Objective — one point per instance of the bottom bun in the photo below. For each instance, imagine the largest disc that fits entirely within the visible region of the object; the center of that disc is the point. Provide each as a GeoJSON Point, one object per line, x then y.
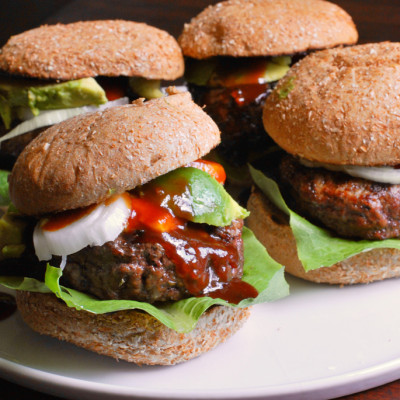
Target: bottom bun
{"type": "Point", "coordinates": [271, 227]}
{"type": "Point", "coordinates": [131, 335]}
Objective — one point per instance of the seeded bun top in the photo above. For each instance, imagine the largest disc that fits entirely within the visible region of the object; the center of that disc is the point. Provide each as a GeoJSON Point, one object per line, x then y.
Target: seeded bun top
{"type": "Point", "coordinates": [86, 159]}
{"type": "Point", "coordinates": [265, 28]}
{"type": "Point", "coordinates": [340, 106]}
{"type": "Point", "coordinates": [93, 48]}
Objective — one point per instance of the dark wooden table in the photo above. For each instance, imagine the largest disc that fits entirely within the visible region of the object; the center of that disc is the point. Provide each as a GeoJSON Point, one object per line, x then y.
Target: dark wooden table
{"type": "Point", "coordinates": [375, 20]}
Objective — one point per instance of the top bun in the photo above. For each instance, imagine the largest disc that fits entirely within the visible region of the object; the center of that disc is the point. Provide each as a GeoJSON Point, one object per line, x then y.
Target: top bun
{"type": "Point", "coordinates": [86, 159]}
{"type": "Point", "coordinates": [340, 106]}
{"type": "Point", "coordinates": [93, 48]}
{"type": "Point", "coordinates": [245, 28]}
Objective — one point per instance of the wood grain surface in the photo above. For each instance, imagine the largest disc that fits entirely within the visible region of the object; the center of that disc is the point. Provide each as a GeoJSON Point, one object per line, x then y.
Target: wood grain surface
{"type": "Point", "coordinates": [375, 20]}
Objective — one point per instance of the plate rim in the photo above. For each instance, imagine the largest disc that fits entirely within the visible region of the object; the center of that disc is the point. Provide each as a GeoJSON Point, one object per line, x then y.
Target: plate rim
{"type": "Point", "coordinates": [312, 389]}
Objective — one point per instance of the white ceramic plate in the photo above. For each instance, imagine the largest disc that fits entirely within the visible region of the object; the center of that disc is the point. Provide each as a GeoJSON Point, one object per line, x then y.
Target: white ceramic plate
{"type": "Point", "coordinates": [320, 342]}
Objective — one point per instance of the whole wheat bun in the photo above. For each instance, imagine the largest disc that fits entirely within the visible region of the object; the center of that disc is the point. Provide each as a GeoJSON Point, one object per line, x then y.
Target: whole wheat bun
{"type": "Point", "coordinates": [244, 28]}
{"type": "Point", "coordinates": [271, 227]}
{"type": "Point", "coordinates": [129, 335]}
{"type": "Point", "coordinates": [90, 157]}
{"type": "Point", "coordinates": [92, 48]}
{"type": "Point", "coordinates": [340, 106]}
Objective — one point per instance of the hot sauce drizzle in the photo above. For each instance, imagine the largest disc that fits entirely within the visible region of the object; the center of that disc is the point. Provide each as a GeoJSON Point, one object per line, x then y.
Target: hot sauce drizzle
{"type": "Point", "coordinates": [244, 79]}
{"type": "Point", "coordinates": [61, 220]}
{"type": "Point", "coordinates": [208, 264]}
{"type": "Point", "coordinates": [246, 94]}
{"type": "Point", "coordinates": [114, 88]}
{"type": "Point", "coordinates": [242, 72]}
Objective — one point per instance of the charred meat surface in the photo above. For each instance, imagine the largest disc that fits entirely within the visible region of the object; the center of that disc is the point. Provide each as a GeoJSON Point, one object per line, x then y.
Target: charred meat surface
{"type": "Point", "coordinates": [128, 269]}
{"type": "Point", "coordinates": [352, 207]}
{"type": "Point", "coordinates": [242, 133]}
{"type": "Point", "coordinates": [237, 110]}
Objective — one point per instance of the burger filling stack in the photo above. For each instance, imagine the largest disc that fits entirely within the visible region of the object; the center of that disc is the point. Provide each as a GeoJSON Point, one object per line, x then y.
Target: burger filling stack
{"type": "Point", "coordinates": [129, 245]}
{"type": "Point", "coordinates": [237, 50]}
{"type": "Point", "coordinates": [333, 200]}
{"type": "Point", "coordinates": [54, 72]}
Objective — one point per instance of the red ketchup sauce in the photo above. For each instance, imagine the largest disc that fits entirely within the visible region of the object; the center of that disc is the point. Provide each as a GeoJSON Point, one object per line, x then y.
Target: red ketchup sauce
{"type": "Point", "coordinates": [246, 94]}
{"type": "Point", "coordinates": [114, 87]}
{"type": "Point", "coordinates": [247, 83]}
{"type": "Point", "coordinates": [205, 262]}
{"type": "Point", "coordinates": [61, 220]}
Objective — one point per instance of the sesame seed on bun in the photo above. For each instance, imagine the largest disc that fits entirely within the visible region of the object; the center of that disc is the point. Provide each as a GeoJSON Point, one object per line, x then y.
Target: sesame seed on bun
{"type": "Point", "coordinates": [336, 114]}
{"type": "Point", "coordinates": [245, 28]}
{"type": "Point", "coordinates": [340, 106]}
{"type": "Point", "coordinates": [93, 48]}
{"type": "Point", "coordinates": [61, 169]}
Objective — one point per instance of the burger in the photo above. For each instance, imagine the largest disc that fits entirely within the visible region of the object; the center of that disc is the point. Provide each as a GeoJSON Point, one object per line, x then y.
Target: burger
{"type": "Point", "coordinates": [54, 72]}
{"type": "Point", "coordinates": [329, 209]}
{"type": "Point", "coordinates": [131, 246]}
{"type": "Point", "coordinates": [237, 50]}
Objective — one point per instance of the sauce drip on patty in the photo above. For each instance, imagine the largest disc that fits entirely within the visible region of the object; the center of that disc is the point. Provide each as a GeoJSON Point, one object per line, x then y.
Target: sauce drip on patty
{"type": "Point", "coordinates": [208, 260]}
{"type": "Point", "coordinates": [207, 264]}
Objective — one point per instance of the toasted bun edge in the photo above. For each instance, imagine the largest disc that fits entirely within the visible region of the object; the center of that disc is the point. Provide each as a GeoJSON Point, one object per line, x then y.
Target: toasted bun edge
{"type": "Point", "coordinates": [340, 106]}
{"type": "Point", "coordinates": [88, 158]}
{"type": "Point", "coordinates": [93, 48]}
{"type": "Point", "coordinates": [244, 28]}
{"type": "Point", "coordinates": [271, 227]}
{"type": "Point", "coordinates": [131, 335]}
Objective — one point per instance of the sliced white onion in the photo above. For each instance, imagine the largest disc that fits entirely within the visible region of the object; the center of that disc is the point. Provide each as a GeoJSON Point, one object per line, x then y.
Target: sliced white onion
{"type": "Point", "coordinates": [377, 174]}
{"type": "Point", "coordinates": [51, 117]}
{"type": "Point", "coordinates": [103, 224]}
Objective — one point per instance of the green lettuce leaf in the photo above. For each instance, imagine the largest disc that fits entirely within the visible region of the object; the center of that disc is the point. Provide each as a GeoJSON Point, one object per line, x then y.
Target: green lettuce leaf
{"type": "Point", "coordinates": [316, 247]}
{"type": "Point", "coordinates": [260, 270]}
{"type": "Point", "coordinates": [23, 283]}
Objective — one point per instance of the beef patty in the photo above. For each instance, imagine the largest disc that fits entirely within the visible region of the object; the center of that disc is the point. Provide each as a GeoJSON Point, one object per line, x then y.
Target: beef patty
{"type": "Point", "coordinates": [238, 113]}
{"type": "Point", "coordinates": [129, 269]}
{"type": "Point", "coordinates": [352, 207]}
{"type": "Point", "coordinates": [243, 137]}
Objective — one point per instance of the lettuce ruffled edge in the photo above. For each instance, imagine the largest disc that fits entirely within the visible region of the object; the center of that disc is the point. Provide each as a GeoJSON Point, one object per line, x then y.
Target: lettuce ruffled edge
{"type": "Point", "coordinates": [316, 247]}
{"type": "Point", "coordinates": [259, 270]}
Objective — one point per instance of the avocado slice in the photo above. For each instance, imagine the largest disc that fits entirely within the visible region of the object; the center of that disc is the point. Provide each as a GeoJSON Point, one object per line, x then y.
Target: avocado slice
{"type": "Point", "coordinates": [20, 94]}
{"type": "Point", "coordinates": [198, 197]}
{"type": "Point", "coordinates": [147, 88]}
{"type": "Point", "coordinates": [199, 72]}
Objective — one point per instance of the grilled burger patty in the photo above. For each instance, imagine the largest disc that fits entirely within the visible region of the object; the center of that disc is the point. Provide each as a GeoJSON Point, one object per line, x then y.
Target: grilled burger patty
{"type": "Point", "coordinates": [128, 269]}
{"type": "Point", "coordinates": [352, 207]}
